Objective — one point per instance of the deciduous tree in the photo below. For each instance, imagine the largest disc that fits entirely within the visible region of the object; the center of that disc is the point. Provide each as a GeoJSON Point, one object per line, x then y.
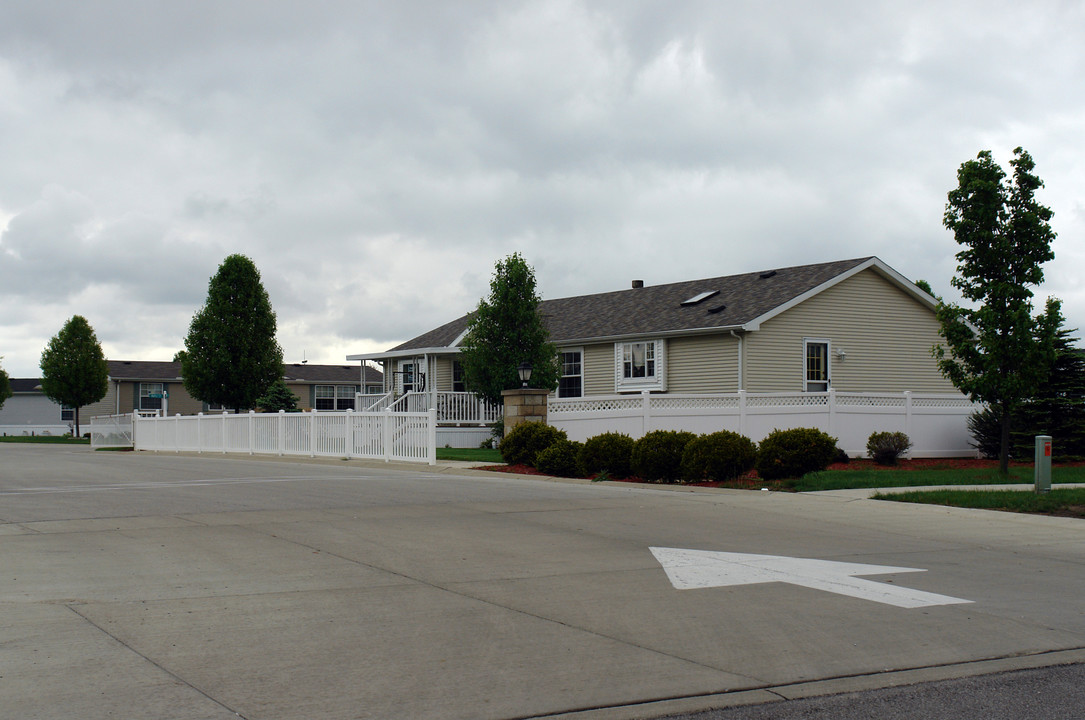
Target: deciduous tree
{"type": "Point", "coordinates": [997, 351]}
{"type": "Point", "coordinates": [73, 367]}
{"type": "Point", "coordinates": [231, 356]}
{"type": "Point", "coordinates": [5, 386]}
{"type": "Point", "coordinates": [506, 330]}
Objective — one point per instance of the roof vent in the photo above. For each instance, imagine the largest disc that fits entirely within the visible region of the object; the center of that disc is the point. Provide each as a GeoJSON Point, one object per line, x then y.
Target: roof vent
{"type": "Point", "coordinates": [700, 297]}
{"type": "Point", "coordinates": [638, 284]}
{"type": "Point", "coordinates": [767, 275]}
{"type": "Point", "coordinates": [717, 309]}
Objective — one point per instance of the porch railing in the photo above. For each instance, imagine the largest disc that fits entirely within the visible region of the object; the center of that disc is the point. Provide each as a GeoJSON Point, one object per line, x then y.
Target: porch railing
{"type": "Point", "coordinates": [453, 408]}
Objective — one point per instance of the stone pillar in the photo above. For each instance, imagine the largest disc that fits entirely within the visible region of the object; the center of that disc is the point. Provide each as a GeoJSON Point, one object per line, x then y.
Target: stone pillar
{"type": "Point", "coordinates": [524, 405]}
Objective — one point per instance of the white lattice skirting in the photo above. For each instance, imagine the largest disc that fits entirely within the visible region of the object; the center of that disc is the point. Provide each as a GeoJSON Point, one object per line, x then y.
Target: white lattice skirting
{"type": "Point", "coordinates": [936, 423]}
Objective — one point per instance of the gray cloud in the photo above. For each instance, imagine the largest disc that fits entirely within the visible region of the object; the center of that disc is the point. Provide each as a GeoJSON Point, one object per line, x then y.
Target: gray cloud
{"type": "Point", "coordinates": [376, 160]}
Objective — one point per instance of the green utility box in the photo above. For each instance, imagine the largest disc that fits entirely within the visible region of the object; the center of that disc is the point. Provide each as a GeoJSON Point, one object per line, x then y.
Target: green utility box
{"type": "Point", "coordinates": [1043, 463]}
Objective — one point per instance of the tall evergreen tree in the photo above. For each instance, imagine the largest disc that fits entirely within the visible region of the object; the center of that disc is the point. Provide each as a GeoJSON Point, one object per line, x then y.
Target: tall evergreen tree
{"type": "Point", "coordinates": [73, 367]}
{"type": "Point", "coordinates": [231, 356]}
{"type": "Point", "coordinates": [998, 352]}
{"type": "Point", "coordinates": [507, 330]}
{"type": "Point", "coordinates": [1058, 407]}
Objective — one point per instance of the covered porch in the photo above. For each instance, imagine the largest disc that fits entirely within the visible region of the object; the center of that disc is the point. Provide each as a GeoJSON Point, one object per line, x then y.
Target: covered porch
{"type": "Point", "coordinates": [430, 379]}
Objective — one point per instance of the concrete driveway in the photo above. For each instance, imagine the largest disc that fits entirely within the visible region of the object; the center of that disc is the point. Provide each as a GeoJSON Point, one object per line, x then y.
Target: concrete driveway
{"type": "Point", "coordinates": [185, 587]}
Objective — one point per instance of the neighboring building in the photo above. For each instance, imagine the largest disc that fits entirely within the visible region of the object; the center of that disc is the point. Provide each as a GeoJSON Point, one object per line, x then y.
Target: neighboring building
{"type": "Point", "coordinates": [29, 412]}
{"type": "Point", "coordinates": [158, 387]}
{"type": "Point", "coordinates": [852, 325]}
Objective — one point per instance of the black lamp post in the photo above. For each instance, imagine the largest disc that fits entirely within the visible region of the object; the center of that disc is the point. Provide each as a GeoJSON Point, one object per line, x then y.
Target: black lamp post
{"type": "Point", "coordinates": [524, 370]}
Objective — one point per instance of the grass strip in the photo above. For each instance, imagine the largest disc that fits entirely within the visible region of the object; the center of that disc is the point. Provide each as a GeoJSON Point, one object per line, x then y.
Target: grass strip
{"type": "Point", "coordinates": [1069, 502]}
{"type": "Point", "coordinates": [470, 454]}
{"type": "Point", "coordinates": [44, 439]}
{"type": "Point", "coordinates": [848, 479]}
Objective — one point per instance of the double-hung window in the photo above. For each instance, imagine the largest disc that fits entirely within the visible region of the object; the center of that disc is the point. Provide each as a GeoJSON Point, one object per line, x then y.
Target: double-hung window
{"type": "Point", "coordinates": [151, 395]}
{"type": "Point", "coordinates": [816, 359]}
{"type": "Point", "coordinates": [639, 365]}
{"type": "Point", "coordinates": [334, 397]}
{"type": "Point", "coordinates": [571, 382]}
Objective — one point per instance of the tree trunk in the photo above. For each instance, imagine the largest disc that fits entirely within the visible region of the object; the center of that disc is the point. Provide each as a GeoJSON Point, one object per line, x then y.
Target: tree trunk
{"type": "Point", "coordinates": [1004, 445]}
{"type": "Point", "coordinates": [77, 422]}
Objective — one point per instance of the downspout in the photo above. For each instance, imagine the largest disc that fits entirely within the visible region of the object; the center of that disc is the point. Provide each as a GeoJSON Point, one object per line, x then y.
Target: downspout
{"type": "Point", "coordinates": [741, 347]}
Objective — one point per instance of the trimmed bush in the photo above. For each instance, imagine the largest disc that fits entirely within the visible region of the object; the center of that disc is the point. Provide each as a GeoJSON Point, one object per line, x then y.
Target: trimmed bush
{"type": "Point", "coordinates": [722, 455]}
{"type": "Point", "coordinates": [793, 453]}
{"type": "Point", "coordinates": [527, 440]}
{"type": "Point", "coordinates": [610, 453]}
{"type": "Point", "coordinates": [657, 457]}
{"type": "Point", "coordinates": [560, 459]}
{"type": "Point", "coordinates": [886, 447]}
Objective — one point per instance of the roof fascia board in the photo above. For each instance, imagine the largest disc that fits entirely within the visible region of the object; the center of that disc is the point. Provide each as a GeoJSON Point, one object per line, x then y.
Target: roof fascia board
{"type": "Point", "coordinates": [415, 352]}
{"type": "Point", "coordinates": [872, 263]}
{"type": "Point", "coordinates": [634, 336]}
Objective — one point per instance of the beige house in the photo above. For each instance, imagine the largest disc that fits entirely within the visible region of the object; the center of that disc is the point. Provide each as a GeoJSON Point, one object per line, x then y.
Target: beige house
{"type": "Point", "coordinates": [852, 326]}
{"type": "Point", "coordinates": [157, 386]}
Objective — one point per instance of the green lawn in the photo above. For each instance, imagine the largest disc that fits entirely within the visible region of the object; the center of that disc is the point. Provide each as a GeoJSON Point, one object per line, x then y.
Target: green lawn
{"type": "Point", "coordinates": [48, 439]}
{"type": "Point", "coordinates": [846, 479]}
{"type": "Point", "coordinates": [471, 454]}
{"type": "Point", "coordinates": [1069, 502]}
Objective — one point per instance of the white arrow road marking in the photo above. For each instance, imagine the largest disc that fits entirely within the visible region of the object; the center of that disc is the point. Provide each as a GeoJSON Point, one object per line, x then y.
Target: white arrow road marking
{"type": "Point", "coordinates": [689, 569]}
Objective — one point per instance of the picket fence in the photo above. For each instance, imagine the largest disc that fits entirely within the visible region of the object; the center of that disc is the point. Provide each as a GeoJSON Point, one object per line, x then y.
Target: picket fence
{"type": "Point", "coordinates": [935, 423]}
{"type": "Point", "coordinates": [404, 436]}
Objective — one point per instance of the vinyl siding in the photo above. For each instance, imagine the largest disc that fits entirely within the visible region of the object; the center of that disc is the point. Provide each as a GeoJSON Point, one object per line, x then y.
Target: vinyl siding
{"type": "Point", "coordinates": [599, 369]}
{"type": "Point", "coordinates": [703, 364]}
{"type": "Point", "coordinates": [886, 333]}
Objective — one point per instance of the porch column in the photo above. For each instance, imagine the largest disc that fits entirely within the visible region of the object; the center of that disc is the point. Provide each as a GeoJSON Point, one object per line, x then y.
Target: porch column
{"type": "Point", "coordinates": [524, 405]}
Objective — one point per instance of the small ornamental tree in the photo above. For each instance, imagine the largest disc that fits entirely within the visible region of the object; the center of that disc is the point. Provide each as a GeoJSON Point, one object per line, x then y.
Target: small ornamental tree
{"type": "Point", "coordinates": [73, 368]}
{"type": "Point", "coordinates": [231, 356]}
{"type": "Point", "coordinates": [278, 397]}
{"type": "Point", "coordinates": [5, 387]}
{"type": "Point", "coordinates": [505, 331]}
{"type": "Point", "coordinates": [998, 352]}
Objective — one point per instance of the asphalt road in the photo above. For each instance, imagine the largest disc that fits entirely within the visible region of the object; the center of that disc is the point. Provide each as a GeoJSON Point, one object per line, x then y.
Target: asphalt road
{"type": "Point", "coordinates": [171, 586]}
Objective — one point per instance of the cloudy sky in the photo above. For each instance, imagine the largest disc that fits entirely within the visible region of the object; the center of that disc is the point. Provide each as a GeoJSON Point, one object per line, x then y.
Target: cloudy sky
{"type": "Point", "coordinates": [376, 158]}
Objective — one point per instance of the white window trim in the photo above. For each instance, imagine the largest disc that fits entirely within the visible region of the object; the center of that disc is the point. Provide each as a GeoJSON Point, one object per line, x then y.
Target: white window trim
{"type": "Point", "coordinates": [562, 368]}
{"type": "Point", "coordinates": [657, 383]}
{"type": "Point", "coordinates": [806, 342]}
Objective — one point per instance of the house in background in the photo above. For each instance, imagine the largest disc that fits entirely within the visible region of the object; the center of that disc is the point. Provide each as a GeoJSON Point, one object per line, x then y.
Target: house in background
{"type": "Point", "coordinates": [853, 325]}
{"type": "Point", "coordinates": [804, 346]}
{"type": "Point", "coordinates": [29, 412]}
{"type": "Point", "coordinates": [147, 386]}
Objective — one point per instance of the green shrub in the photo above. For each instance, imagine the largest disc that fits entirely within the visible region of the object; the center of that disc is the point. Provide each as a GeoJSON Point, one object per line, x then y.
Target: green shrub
{"type": "Point", "coordinates": [658, 455]}
{"type": "Point", "coordinates": [793, 453]}
{"type": "Point", "coordinates": [841, 456]}
{"type": "Point", "coordinates": [526, 440]}
{"type": "Point", "coordinates": [560, 459]}
{"type": "Point", "coordinates": [886, 447]}
{"type": "Point", "coordinates": [610, 453]}
{"type": "Point", "coordinates": [722, 455]}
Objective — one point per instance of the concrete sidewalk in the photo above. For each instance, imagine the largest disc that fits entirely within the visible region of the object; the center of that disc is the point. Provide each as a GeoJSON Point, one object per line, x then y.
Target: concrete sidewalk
{"type": "Point", "coordinates": [866, 493]}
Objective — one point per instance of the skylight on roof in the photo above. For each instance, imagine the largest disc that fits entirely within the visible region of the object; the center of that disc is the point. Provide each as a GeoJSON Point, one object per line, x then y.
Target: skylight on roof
{"type": "Point", "coordinates": [700, 297]}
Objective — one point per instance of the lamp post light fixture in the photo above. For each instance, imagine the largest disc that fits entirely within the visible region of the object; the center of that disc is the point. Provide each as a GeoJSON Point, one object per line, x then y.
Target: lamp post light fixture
{"type": "Point", "coordinates": [524, 370]}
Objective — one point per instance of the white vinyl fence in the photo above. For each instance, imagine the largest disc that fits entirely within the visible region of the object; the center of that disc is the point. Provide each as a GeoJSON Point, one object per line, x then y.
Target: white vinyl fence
{"type": "Point", "coordinates": [385, 435]}
{"type": "Point", "coordinates": [111, 431]}
{"type": "Point", "coordinates": [936, 424]}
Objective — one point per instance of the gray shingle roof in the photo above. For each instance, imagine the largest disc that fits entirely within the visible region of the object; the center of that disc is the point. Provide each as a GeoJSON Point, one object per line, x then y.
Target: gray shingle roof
{"type": "Point", "coordinates": [23, 386]}
{"type": "Point", "coordinates": [297, 372]}
{"type": "Point", "coordinates": [659, 309]}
